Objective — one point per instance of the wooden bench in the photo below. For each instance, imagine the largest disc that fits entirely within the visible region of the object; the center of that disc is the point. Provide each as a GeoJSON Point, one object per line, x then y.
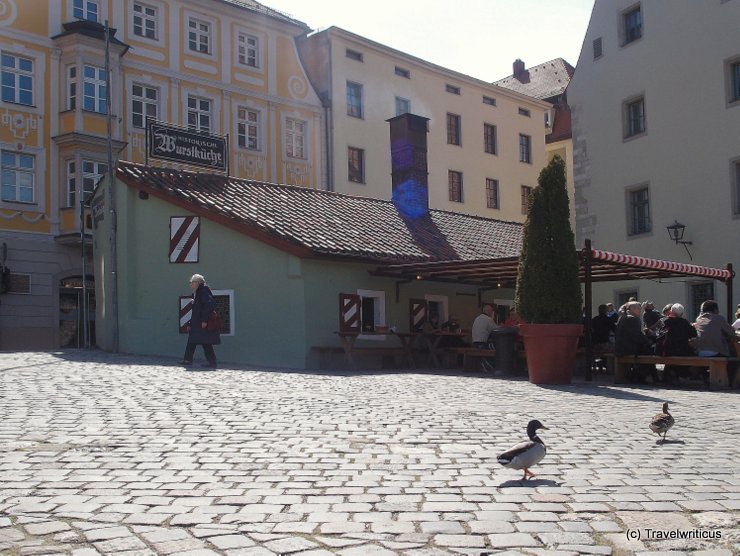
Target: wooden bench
{"type": "Point", "coordinates": [471, 355]}
{"type": "Point", "coordinates": [717, 366]}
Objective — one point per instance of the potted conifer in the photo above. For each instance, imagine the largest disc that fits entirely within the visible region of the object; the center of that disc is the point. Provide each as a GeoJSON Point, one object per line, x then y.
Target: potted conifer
{"type": "Point", "coordinates": [548, 289]}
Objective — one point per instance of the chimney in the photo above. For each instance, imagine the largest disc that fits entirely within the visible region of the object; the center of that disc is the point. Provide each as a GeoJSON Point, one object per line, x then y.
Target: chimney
{"type": "Point", "coordinates": [518, 67]}
{"type": "Point", "coordinates": [409, 176]}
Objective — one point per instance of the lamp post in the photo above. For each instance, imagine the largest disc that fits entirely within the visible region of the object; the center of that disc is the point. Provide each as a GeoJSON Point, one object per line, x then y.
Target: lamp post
{"type": "Point", "coordinates": [675, 232]}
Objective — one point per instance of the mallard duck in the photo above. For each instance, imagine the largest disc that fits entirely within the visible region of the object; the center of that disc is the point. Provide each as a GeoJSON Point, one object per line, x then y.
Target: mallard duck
{"type": "Point", "coordinates": [662, 422]}
{"type": "Point", "coordinates": [526, 454]}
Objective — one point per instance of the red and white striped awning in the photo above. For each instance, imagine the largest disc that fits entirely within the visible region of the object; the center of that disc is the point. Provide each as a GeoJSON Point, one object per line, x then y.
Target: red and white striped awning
{"type": "Point", "coordinates": [657, 264]}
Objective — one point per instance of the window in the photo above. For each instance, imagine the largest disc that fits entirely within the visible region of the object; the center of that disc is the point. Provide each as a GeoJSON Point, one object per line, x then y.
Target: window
{"type": "Point", "coordinates": [224, 304]}
{"type": "Point", "coordinates": [199, 36]}
{"type": "Point", "coordinates": [524, 112]}
{"type": "Point", "coordinates": [144, 104]}
{"type": "Point", "coordinates": [699, 294]}
{"type": "Point", "coordinates": [453, 129]}
{"type": "Point", "coordinates": [632, 22]}
{"type": "Point", "coordinates": [403, 72]}
{"type": "Point", "coordinates": [489, 100]}
{"type": "Point", "coordinates": [635, 117]}
{"type": "Point", "coordinates": [248, 50]}
{"type": "Point", "coordinates": [455, 186]}
{"type": "Point", "coordinates": [18, 171]}
{"type": "Point", "coordinates": [625, 295]}
{"type": "Point", "coordinates": [492, 199]}
{"type": "Point", "coordinates": [355, 165]}
{"type": "Point", "coordinates": [526, 197]}
{"type": "Point", "coordinates": [145, 21]}
{"type": "Point", "coordinates": [734, 81]}
{"type": "Point", "coordinates": [452, 89]}
{"type": "Point", "coordinates": [353, 55]}
{"type": "Point", "coordinates": [85, 9]}
{"type": "Point", "coordinates": [91, 173]}
{"type": "Point", "coordinates": [93, 89]}
{"type": "Point", "coordinates": [597, 48]}
{"type": "Point", "coordinates": [354, 99]}
{"type": "Point", "coordinates": [248, 128]}
{"type": "Point", "coordinates": [199, 114]}
{"type": "Point", "coordinates": [489, 138]}
{"type": "Point", "coordinates": [372, 311]}
{"type": "Point", "coordinates": [295, 138]}
{"type": "Point", "coordinates": [525, 148]}
{"type": "Point", "coordinates": [403, 106]}
{"type": "Point", "coordinates": [16, 75]}
{"type": "Point", "coordinates": [639, 207]}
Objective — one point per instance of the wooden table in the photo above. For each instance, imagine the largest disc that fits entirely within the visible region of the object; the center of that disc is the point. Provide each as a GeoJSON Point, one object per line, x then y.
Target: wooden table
{"type": "Point", "coordinates": [433, 340]}
{"type": "Point", "coordinates": [349, 339]}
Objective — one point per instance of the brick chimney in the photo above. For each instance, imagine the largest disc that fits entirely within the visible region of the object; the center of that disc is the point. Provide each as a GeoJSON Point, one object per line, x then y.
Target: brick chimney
{"type": "Point", "coordinates": [518, 67]}
{"type": "Point", "coordinates": [409, 175]}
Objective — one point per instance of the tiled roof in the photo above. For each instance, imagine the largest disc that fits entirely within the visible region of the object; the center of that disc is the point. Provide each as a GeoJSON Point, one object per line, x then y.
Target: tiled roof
{"type": "Point", "coordinates": [312, 222]}
{"type": "Point", "coordinates": [266, 10]}
{"type": "Point", "coordinates": [543, 81]}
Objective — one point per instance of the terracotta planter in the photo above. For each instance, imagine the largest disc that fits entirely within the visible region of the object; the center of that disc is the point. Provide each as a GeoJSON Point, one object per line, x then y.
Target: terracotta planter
{"type": "Point", "coordinates": [551, 351]}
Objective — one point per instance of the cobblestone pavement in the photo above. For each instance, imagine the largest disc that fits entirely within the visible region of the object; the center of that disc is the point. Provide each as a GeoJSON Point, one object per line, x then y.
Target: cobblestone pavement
{"type": "Point", "coordinates": [111, 454]}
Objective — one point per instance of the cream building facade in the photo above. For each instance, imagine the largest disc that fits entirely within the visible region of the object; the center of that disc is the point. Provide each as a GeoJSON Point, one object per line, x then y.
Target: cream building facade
{"type": "Point", "coordinates": [655, 104]}
{"type": "Point", "coordinates": [486, 144]}
{"type": "Point", "coordinates": [228, 67]}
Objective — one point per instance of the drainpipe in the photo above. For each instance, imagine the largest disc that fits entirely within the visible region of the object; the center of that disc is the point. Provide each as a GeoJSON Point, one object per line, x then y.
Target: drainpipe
{"type": "Point", "coordinates": [111, 199]}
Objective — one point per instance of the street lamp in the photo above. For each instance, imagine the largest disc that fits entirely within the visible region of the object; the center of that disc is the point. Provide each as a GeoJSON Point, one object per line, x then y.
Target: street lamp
{"type": "Point", "coordinates": [675, 232]}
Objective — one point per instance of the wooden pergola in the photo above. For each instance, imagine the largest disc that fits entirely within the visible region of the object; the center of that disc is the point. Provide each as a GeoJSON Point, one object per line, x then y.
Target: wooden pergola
{"type": "Point", "coordinates": [595, 266]}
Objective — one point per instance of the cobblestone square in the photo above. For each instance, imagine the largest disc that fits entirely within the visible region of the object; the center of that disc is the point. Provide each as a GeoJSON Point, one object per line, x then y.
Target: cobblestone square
{"type": "Point", "coordinates": [134, 455]}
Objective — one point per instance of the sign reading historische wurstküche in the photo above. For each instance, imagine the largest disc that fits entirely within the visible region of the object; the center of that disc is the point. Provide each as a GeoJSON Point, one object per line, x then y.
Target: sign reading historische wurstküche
{"type": "Point", "coordinates": [177, 144]}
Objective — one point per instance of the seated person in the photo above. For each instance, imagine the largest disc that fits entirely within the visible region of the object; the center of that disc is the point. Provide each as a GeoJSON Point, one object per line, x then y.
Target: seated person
{"type": "Point", "coordinates": [452, 325]}
{"type": "Point", "coordinates": [513, 320]}
{"type": "Point", "coordinates": [713, 332]}
{"type": "Point", "coordinates": [483, 325]}
{"type": "Point", "coordinates": [651, 319]}
{"type": "Point", "coordinates": [673, 339]}
{"type": "Point", "coordinates": [736, 324]}
{"type": "Point", "coordinates": [602, 328]}
{"type": "Point", "coordinates": [431, 325]}
{"type": "Point", "coordinates": [630, 340]}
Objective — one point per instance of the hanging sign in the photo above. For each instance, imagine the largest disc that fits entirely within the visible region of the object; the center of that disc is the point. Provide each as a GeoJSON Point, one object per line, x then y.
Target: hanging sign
{"type": "Point", "coordinates": [184, 239]}
{"type": "Point", "coordinates": [177, 144]}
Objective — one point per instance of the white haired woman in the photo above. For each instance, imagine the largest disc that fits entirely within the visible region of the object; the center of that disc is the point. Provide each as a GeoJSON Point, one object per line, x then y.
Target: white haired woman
{"type": "Point", "coordinates": [203, 305]}
{"type": "Point", "coordinates": [674, 340]}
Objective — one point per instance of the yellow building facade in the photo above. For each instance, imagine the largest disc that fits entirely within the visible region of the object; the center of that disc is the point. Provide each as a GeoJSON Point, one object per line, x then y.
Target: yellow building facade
{"type": "Point", "coordinates": [226, 67]}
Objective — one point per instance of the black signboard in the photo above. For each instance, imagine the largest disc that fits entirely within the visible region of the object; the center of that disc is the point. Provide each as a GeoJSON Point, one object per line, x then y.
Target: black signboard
{"type": "Point", "coordinates": [176, 144]}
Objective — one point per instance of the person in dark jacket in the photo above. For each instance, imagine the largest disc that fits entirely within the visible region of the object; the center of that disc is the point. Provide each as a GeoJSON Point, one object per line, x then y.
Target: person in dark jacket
{"type": "Point", "coordinates": [203, 305]}
{"type": "Point", "coordinates": [673, 339]}
{"type": "Point", "coordinates": [630, 340]}
{"type": "Point", "coordinates": [602, 327]}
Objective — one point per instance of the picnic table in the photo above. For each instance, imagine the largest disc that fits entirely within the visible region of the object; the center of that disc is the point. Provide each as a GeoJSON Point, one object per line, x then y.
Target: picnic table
{"type": "Point", "coordinates": [433, 341]}
{"type": "Point", "coordinates": [349, 339]}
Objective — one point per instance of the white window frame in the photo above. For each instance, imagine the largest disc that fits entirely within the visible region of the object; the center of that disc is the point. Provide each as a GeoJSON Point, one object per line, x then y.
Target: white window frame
{"type": "Point", "coordinates": [291, 136]}
{"type": "Point", "coordinates": [246, 124]}
{"type": "Point", "coordinates": [73, 191]}
{"type": "Point", "coordinates": [76, 88]}
{"type": "Point", "coordinates": [199, 35]}
{"type": "Point", "coordinates": [444, 301]}
{"type": "Point", "coordinates": [81, 10]}
{"type": "Point", "coordinates": [145, 104]}
{"type": "Point", "coordinates": [399, 102]}
{"type": "Point", "coordinates": [199, 113]}
{"type": "Point", "coordinates": [232, 319]}
{"type": "Point", "coordinates": [18, 74]}
{"type": "Point", "coordinates": [146, 17]}
{"type": "Point", "coordinates": [378, 307]}
{"type": "Point", "coordinates": [243, 50]}
{"type": "Point", "coordinates": [19, 171]}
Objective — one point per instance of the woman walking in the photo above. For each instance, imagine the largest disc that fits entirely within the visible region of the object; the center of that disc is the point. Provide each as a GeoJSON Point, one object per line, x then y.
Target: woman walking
{"type": "Point", "coordinates": [203, 305]}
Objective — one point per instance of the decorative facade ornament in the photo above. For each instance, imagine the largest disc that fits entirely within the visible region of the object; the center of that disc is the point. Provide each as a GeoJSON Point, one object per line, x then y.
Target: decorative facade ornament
{"type": "Point", "coordinates": [20, 124]}
{"type": "Point", "coordinates": [8, 12]}
{"type": "Point", "coordinates": [297, 87]}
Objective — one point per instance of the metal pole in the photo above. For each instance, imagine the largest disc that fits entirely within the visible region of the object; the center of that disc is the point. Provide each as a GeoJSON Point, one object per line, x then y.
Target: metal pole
{"type": "Point", "coordinates": [588, 301]}
{"type": "Point", "coordinates": [85, 323]}
{"type": "Point", "coordinates": [728, 282]}
{"type": "Point", "coordinates": [113, 266]}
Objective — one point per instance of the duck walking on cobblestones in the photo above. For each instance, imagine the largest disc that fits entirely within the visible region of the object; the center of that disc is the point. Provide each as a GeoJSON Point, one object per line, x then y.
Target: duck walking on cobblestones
{"type": "Point", "coordinates": [526, 454]}
{"type": "Point", "coordinates": [662, 422]}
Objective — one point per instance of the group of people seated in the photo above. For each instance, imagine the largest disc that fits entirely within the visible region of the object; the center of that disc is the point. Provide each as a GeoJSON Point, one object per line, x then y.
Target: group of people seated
{"type": "Point", "coordinates": [639, 329]}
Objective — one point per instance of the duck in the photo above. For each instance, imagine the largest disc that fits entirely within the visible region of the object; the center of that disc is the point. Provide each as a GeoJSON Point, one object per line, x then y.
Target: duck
{"type": "Point", "coordinates": [526, 454]}
{"type": "Point", "coordinates": [662, 422]}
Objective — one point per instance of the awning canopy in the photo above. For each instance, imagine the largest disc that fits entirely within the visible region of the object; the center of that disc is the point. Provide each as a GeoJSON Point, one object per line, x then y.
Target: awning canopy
{"type": "Point", "coordinates": [605, 267]}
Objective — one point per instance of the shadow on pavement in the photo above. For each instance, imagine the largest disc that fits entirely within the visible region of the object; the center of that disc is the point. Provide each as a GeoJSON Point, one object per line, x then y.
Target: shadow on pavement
{"type": "Point", "coordinates": [605, 391]}
{"type": "Point", "coordinates": [530, 483]}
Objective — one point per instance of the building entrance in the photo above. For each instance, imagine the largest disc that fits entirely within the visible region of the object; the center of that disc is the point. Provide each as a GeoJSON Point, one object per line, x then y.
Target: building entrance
{"type": "Point", "coordinates": [72, 332]}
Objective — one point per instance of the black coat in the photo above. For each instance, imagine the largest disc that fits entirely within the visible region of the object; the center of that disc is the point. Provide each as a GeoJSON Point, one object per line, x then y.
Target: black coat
{"type": "Point", "coordinates": [629, 337]}
{"type": "Point", "coordinates": [674, 337]}
{"type": "Point", "coordinates": [203, 304]}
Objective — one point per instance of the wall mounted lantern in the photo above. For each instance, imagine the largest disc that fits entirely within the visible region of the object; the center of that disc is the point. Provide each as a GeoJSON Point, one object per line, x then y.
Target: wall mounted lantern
{"type": "Point", "coordinates": [675, 232]}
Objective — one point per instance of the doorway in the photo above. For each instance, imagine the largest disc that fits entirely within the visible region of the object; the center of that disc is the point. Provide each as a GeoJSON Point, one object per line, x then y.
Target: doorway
{"type": "Point", "coordinates": [71, 311]}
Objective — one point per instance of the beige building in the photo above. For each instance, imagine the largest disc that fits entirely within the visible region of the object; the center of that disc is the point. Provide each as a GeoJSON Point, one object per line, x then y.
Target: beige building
{"type": "Point", "coordinates": [228, 67]}
{"type": "Point", "coordinates": [655, 103]}
{"type": "Point", "coordinates": [486, 144]}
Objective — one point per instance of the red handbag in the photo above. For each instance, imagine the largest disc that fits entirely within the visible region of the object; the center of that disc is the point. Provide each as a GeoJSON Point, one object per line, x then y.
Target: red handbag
{"type": "Point", "coordinates": [213, 324]}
